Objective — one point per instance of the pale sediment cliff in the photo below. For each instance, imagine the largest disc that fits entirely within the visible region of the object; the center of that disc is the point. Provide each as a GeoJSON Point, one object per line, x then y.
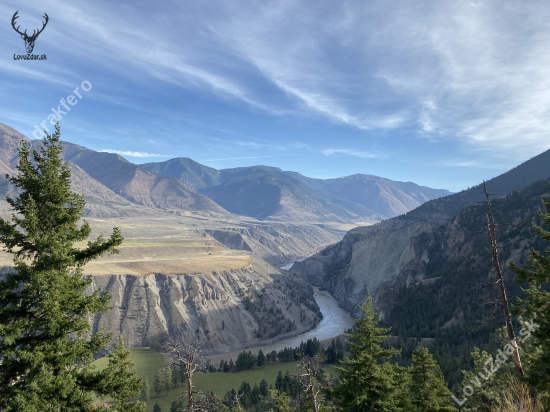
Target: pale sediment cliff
{"type": "Point", "coordinates": [367, 261]}
{"type": "Point", "coordinates": [227, 309]}
{"type": "Point", "coordinates": [277, 243]}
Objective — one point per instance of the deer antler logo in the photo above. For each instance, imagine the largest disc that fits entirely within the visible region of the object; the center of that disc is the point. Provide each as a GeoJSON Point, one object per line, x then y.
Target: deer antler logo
{"type": "Point", "coordinates": [29, 40]}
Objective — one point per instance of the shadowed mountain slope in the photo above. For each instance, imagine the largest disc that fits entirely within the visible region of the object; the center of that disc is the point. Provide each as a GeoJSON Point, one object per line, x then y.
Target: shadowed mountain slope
{"type": "Point", "coordinates": [110, 177]}
{"type": "Point", "coordinates": [264, 192]}
{"type": "Point", "coordinates": [444, 208]}
{"type": "Point", "coordinates": [385, 196]}
{"type": "Point", "coordinates": [187, 170]}
{"type": "Point", "coordinates": [380, 258]}
{"type": "Point", "coordinates": [136, 183]}
{"type": "Point", "coordinates": [268, 192]}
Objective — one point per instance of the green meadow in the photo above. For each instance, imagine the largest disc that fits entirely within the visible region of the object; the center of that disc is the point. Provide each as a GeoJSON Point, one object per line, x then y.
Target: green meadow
{"type": "Point", "coordinates": [148, 362]}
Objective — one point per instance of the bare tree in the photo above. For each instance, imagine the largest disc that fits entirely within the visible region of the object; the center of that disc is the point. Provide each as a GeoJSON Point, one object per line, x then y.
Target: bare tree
{"type": "Point", "coordinates": [307, 372]}
{"type": "Point", "coordinates": [491, 232]}
{"type": "Point", "coordinates": [187, 356]}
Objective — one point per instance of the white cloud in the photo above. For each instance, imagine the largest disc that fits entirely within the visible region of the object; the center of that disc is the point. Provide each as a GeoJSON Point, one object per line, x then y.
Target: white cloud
{"type": "Point", "coordinates": [259, 145]}
{"type": "Point", "coordinates": [356, 153]}
{"type": "Point", "coordinates": [477, 164]}
{"type": "Point", "coordinates": [133, 154]}
{"type": "Point", "coordinates": [234, 158]}
{"type": "Point", "coordinates": [473, 73]}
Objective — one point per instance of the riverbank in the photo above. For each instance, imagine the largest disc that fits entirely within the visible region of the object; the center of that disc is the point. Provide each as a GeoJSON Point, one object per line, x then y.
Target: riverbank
{"type": "Point", "coordinates": [335, 321]}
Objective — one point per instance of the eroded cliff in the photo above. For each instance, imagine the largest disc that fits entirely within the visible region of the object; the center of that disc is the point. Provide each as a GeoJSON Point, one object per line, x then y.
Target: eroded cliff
{"type": "Point", "coordinates": [229, 309]}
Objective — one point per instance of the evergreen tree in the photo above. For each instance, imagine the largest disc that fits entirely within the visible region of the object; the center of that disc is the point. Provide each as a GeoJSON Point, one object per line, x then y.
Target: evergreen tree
{"type": "Point", "coordinates": [264, 390]}
{"type": "Point", "coordinates": [279, 382]}
{"type": "Point", "coordinates": [428, 389]}
{"type": "Point", "coordinates": [368, 384]}
{"type": "Point", "coordinates": [120, 381]}
{"type": "Point", "coordinates": [176, 376]}
{"type": "Point", "coordinates": [536, 307]}
{"type": "Point", "coordinates": [177, 406]}
{"type": "Point", "coordinates": [158, 385]}
{"type": "Point", "coordinates": [260, 359]}
{"type": "Point", "coordinates": [144, 395]}
{"type": "Point", "coordinates": [488, 386]}
{"type": "Point", "coordinates": [238, 408]}
{"type": "Point", "coordinates": [255, 394]}
{"type": "Point", "coordinates": [157, 408]}
{"type": "Point", "coordinates": [45, 340]}
{"type": "Point", "coordinates": [168, 378]}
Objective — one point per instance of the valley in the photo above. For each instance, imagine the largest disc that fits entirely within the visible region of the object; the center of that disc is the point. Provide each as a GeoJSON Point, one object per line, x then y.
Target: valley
{"type": "Point", "coordinates": [275, 206]}
{"type": "Point", "coordinates": [202, 246]}
{"type": "Point", "coordinates": [174, 280]}
{"type": "Point", "coordinates": [203, 259]}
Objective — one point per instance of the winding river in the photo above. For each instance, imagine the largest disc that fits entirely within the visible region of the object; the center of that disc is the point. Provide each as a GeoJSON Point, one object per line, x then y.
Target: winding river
{"type": "Point", "coordinates": [335, 321]}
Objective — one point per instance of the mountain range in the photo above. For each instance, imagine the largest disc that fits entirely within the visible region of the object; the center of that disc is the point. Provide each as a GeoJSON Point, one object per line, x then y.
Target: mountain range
{"type": "Point", "coordinates": [260, 192]}
{"type": "Point", "coordinates": [267, 192]}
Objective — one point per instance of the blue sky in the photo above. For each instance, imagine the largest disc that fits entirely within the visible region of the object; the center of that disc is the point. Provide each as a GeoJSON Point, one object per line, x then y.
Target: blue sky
{"type": "Point", "coordinates": [441, 93]}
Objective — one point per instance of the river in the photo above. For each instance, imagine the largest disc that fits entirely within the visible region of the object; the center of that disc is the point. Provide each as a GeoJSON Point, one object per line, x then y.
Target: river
{"type": "Point", "coordinates": [335, 321]}
{"type": "Point", "coordinates": [288, 266]}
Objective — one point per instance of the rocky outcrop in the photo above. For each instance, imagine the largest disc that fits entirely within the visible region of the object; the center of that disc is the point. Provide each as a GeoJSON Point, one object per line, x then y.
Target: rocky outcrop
{"type": "Point", "coordinates": [277, 243]}
{"type": "Point", "coordinates": [383, 258]}
{"type": "Point", "coordinates": [229, 309]}
{"type": "Point", "coordinates": [368, 261]}
{"type": "Point", "coordinates": [230, 238]}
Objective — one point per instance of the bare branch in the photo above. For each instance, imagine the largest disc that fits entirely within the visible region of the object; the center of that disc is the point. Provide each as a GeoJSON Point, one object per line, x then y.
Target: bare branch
{"type": "Point", "coordinates": [308, 370]}
{"type": "Point", "coordinates": [491, 233]}
{"type": "Point", "coordinates": [187, 356]}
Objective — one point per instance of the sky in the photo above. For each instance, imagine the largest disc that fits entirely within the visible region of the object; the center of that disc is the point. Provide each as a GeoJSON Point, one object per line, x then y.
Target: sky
{"type": "Point", "coordinates": [441, 93]}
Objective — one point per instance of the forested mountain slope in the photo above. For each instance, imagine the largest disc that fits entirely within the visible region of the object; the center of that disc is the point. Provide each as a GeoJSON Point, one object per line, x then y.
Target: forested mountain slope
{"type": "Point", "coordinates": [444, 208]}
{"type": "Point", "coordinates": [430, 281]}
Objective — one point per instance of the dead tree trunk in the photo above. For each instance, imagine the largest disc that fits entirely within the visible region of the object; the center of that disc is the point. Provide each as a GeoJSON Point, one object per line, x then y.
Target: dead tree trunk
{"type": "Point", "coordinates": [188, 357]}
{"type": "Point", "coordinates": [307, 366]}
{"type": "Point", "coordinates": [491, 232]}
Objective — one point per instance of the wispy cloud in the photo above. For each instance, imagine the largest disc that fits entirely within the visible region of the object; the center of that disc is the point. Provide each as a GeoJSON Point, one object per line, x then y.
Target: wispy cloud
{"type": "Point", "coordinates": [474, 74]}
{"type": "Point", "coordinates": [355, 153]}
{"type": "Point", "coordinates": [234, 158]}
{"type": "Point", "coordinates": [260, 145]}
{"type": "Point", "coordinates": [477, 164]}
{"type": "Point", "coordinates": [133, 154]}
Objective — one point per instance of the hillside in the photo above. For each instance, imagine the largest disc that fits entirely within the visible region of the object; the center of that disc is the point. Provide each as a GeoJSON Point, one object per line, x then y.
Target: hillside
{"type": "Point", "coordinates": [135, 183]}
{"type": "Point", "coordinates": [386, 251]}
{"type": "Point", "coordinates": [267, 192]}
{"type": "Point", "coordinates": [385, 196]}
{"type": "Point", "coordinates": [227, 309]}
{"type": "Point", "coordinates": [439, 210]}
{"type": "Point", "coordinates": [172, 279]}
{"type": "Point", "coordinates": [109, 177]}
{"type": "Point", "coordinates": [427, 278]}
{"type": "Point", "coordinates": [187, 170]}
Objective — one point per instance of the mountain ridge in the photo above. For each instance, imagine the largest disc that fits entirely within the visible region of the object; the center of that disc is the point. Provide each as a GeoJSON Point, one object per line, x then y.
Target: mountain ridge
{"type": "Point", "coordinates": [260, 192]}
{"type": "Point", "coordinates": [291, 192]}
